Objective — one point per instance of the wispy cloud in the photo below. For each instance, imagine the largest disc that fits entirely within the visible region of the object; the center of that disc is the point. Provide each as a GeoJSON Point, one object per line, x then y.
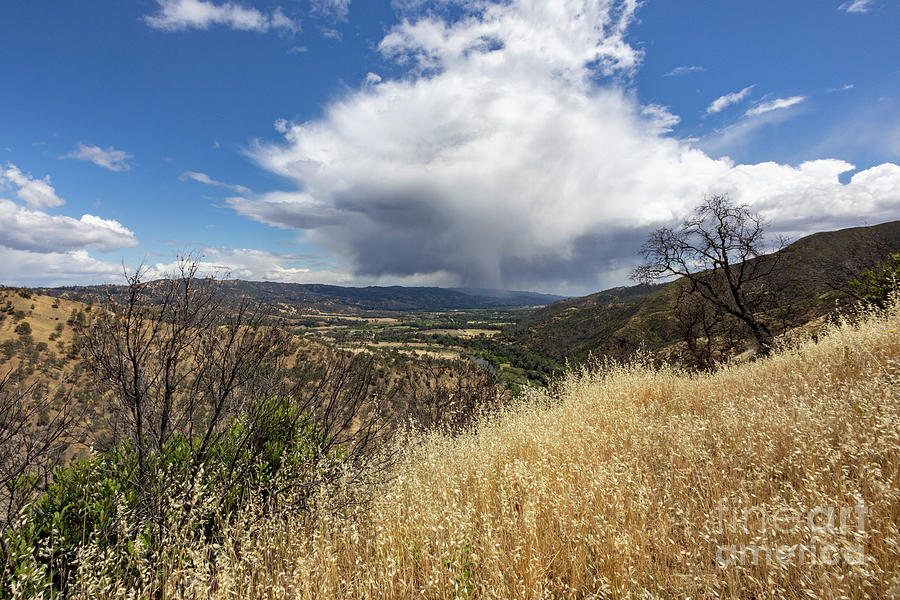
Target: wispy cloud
{"type": "Point", "coordinates": [335, 10]}
{"type": "Point", "coordinates": [857, 6]}
{"type": "Point", "coordinates": [755, 120]}
{"type": "Point", "coordinates": [726, 140]}
{"type": "Point", "coordinates": [776, 104]}
{"type": "Point", "coordinates": [684, 70]}
{"type": "Point", "coordinates": [660, 118]}
{"type": "Point", "coordinates": [180, 15]}
{"type": "Point", "coordinates": [843, 88]}
{"type": "Point", "coordinates": [204, 178]}
{"type": "Point", "coordinates": [723, 102]}
{"type": "Point", "coordinates": [110, 158]}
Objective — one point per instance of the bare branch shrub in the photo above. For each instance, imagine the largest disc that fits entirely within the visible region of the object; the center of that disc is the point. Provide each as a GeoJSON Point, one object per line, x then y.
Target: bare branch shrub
{"type": "Point", "coordinates": [176, 362]}
{"type": "Point", "coordinates": [181, 362]}
{"type": "Point", "coordinates": [34, 434]}
{"type": "Point", "coordinates": [450, 395]}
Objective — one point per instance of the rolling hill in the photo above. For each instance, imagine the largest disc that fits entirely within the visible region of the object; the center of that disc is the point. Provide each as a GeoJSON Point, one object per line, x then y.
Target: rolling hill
{"type": "Point", "coordinates": [345, 300]}
{"type": "Point", "coordinates": [618, 321]}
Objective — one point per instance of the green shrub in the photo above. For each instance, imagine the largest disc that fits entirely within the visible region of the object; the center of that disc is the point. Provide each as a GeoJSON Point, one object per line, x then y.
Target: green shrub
{"type": "Point", "coordinates": [9, 348]}
{"type": "Point", "coordinates": [104, 506]}
{"type": "Point", "coordinates": [876, 284]}
{"type": "Point", "coordinates": [23, 328]}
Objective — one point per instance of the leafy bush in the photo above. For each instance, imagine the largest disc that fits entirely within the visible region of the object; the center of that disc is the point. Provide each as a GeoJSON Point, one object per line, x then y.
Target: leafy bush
{"type": "Point", "coordinates": [876, 284]}
{"type": "Point", "coordinates": [268, 457]}
{"type": "Point", "coordinates": [8, 348]}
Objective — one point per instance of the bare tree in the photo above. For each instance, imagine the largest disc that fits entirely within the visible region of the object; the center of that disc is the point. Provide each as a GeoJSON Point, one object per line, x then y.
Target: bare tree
{"type": "Point", "coordinates": [181, 362]}
{"type": "Point", "coordinates": [213, 415]}
{"type": "Point", "coordinates": [722, 255]}
{"type": "Point", "coordinates": [176, 362]}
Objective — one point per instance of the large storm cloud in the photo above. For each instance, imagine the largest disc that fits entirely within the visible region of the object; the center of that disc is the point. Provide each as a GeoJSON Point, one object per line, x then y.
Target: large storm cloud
{"type": "Point", "coordinates": [511, 153]}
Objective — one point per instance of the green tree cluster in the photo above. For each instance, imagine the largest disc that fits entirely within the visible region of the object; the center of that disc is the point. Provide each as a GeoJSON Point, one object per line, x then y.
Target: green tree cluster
{"type": "Point", "coordinates": [876, 284]}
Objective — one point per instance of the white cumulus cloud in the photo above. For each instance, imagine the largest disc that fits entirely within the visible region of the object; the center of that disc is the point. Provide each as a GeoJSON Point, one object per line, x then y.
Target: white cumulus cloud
{"type": "Point", "coordinates": [258, 265]}
{"type": "Point", "coordinates": [810, 197]}
{"type": "Point", "coordinates": [179, 15]}
{"type": "Point", "coordinates": [512, 153]}
{"type": "Point", "coordinates": [723, 102]}
{"type": "Point", "coordinates": [39, 248]}
{"type": "Point", "coordinates": [36, 193]}
{"type": "Point", "coordinates": [75, 267]}
{"type": "Point", "coordinates": [110, 158]}
{"type": "Point", "coordinates": [37, 231]}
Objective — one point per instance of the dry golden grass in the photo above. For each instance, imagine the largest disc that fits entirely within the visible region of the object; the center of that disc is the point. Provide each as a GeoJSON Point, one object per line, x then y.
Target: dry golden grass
{"type": "Point", "coordinates": [628, 482]}
{"type": "Point", "coordinates": [47, 313]}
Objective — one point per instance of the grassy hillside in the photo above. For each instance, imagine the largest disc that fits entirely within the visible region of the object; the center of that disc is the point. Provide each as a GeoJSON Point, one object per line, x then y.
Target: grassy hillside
{"type": "Point", "coordinates": [419, 380]}
{"type": "Point", "coordinates": [43, 314]}
{"type": "Point", "coordinates": [627, 482]}
{"type": "Point", "coordinates": [574, 328]}
{"type": "Point", "coordinates": [44, 354]}
{"type": "Point", "coordinates": [617, 322]}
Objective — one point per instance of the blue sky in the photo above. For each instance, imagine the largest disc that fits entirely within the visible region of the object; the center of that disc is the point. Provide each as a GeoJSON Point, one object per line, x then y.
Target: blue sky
{"type": "Point", "coordinates": [523, 144]}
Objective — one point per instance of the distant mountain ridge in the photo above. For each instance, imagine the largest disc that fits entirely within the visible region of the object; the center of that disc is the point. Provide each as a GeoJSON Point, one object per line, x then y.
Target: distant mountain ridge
{"type": "Point", "coordinates": [340, 299]}
{"type": "Point", "coordinates": [510, 295]}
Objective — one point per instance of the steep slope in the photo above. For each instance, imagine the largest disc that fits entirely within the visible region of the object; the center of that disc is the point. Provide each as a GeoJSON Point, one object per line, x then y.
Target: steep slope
{"type": "Point", "coordinates": [573, 328]}
{"type": "Point", "coordinates": [628, 483]}
{"type": "Point", "coordinates": [618, 321]}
